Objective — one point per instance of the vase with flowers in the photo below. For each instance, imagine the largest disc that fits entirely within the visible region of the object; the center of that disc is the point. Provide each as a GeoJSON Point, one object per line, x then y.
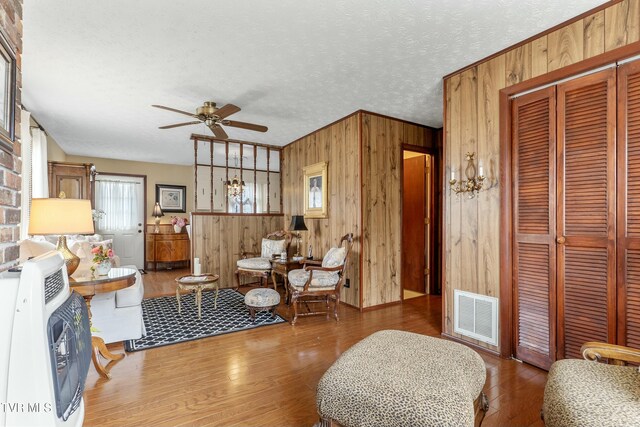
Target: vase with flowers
{"type": "Point", "coordinates": [102, 257]}
{"type": "Point", "coordinates": [178, 223]}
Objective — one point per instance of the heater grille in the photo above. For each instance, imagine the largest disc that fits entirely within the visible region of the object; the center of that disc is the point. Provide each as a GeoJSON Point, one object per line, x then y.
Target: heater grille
{"type": "Point", "coordinates": [476, 316]}
{"type": "Point", "coordinates": [53, 285]}
{"type": "Point", "coordinates": [70, 346]}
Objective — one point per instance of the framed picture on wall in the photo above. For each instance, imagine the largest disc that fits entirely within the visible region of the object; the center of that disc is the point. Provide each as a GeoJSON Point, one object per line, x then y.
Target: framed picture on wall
{"type": "Point", "coordinates": [315, 190]}
{"type": "Point", "coordinates": [7, 95]}
{"type": "Point", "coordinates": [172, 198]}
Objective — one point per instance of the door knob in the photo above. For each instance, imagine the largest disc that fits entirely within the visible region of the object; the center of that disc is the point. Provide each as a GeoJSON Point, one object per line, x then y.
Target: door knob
{"type": "Point", "coordinates": [560, 240]}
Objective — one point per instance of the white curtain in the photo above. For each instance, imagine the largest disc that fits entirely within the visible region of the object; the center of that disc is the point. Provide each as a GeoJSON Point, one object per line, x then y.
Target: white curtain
{"type": "Point", "coordinates": [118, 201]}
{"type": "Point", "coordinates": [39, 177]}
{"type": "Point", "coordinates": [261, 198]}
{"type": "Point", "coordinates": [25, 119]}
{"type": "Point", "coordinates": [247, 199]}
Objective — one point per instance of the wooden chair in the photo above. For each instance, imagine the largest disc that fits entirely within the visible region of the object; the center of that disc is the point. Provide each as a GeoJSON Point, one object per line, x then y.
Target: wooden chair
{"type": "Point", "coordinates": [585, 392]}
{"type": "Point", "coordinates": [321, 283]}
{"type": "Point", "coordinates": [260, 264]}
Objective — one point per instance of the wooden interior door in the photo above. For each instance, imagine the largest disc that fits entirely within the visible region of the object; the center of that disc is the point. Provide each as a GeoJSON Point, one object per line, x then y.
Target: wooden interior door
{"type": "Point", "coordinates": [628, 235]}
{"type": "Point", "coordinates": [586, 223]}
{"type": "Point", "coordinates": [534, 215]}
{"type": "Point", "coordinates": [414, 213]}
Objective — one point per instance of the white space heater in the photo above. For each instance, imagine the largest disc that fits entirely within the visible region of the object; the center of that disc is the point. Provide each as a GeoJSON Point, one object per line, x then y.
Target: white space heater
{"type": "Point", "coordinates": [45, 346]}
{"type": "Point", "coordinates": [475, 316]}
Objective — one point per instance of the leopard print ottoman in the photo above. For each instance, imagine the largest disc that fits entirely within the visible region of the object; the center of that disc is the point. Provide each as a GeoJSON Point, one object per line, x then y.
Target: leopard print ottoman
{"type": "Point", "coordinates": [397, 378]}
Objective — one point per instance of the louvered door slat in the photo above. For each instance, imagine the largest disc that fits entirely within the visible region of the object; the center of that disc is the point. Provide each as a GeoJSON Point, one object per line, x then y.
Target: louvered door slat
{"type": "Point", "coordinates": [628, 242]}
{"type": "Point", "coordinates": [534, 225]}
{"type": "Point", "coordinates": [631, 314]}
{"type": "Point", "coordinates": [586, 212]}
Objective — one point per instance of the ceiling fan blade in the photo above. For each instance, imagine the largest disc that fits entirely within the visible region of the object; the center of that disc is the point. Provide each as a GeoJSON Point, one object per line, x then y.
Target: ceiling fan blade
{"type": "Point", "coordinates": [219, 132]}
{"type": "Point", "coordinates": [227, 110]}
{"type": "Point", "coordinates": [243, 125]}
{"type": "Point", "coordinates": [180, 124]}
{"type": "Point", "coordinates": [174, 110]}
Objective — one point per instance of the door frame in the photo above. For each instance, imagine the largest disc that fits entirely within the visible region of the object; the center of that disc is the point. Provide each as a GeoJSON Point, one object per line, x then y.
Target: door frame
{"type": "Point", "coordinates": [507, 346]}
{"type": "Point", "coordinates": [434, 213]}
{"type": "Point", "coordinates": [144, 205]}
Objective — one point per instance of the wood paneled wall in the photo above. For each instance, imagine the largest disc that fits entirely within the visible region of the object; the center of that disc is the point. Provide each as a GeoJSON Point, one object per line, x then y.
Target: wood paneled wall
{"type": "Point", "coordinates": [471, 240]}
{"type": "Point", "coordinates": [218, 240]}
{"type": "Point", "coordinates": [382, 140]}
{"type": "Point", "coordinates": [338, 144]}
{"type": "Point", "coordinates": [370, 207]}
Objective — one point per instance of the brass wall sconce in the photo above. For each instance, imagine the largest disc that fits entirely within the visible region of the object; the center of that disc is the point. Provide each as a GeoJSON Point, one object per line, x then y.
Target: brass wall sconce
{"type": "Point", "coordinates": [473, 184]}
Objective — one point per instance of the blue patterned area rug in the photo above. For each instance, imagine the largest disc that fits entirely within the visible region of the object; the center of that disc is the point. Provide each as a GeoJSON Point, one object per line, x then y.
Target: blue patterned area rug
{"type": "Point", "coordinates": [165, 326]}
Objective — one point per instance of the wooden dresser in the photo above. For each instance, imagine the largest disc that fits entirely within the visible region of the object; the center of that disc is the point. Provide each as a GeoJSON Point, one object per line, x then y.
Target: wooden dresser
{"type": "Point", "coordinates": [167, 248]}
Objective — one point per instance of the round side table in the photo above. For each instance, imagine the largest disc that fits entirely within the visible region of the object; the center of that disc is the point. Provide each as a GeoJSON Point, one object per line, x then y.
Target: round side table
{"type": "Point", "coordinates": [197, 284]}
{"type": "Point", "coordinates": [88, 284]}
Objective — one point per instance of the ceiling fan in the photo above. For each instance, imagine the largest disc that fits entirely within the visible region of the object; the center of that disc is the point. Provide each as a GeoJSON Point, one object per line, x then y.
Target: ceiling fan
{"type": "Point", "coordinates": [214, 118]}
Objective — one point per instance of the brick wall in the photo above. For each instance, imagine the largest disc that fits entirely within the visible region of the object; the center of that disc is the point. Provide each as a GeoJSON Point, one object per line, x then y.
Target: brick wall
{"type": "Point", "coordinates": [11, 164]}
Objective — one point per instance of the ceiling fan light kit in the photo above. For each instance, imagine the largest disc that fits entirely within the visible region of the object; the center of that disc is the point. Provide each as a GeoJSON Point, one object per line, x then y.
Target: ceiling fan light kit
{"type": "Point", "coordinates": [214, 118]}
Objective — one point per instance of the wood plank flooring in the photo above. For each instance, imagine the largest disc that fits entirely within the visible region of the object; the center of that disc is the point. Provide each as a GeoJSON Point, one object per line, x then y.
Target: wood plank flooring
{"type": "Point", "coordinates": [267, 376]}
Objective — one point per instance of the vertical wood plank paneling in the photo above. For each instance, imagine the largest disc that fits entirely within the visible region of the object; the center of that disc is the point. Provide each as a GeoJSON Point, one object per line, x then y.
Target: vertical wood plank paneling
{"type": "Point", "coordinates": [447, 163]}
{"type": "Point", "coordinates": [337, 144]}
{"type": "Point", "coordinates": [518, 64]}
{"type": "Point", "coordinates": [566, 46]}
{"type": "Point", "coordinates": [593, 27]}
{"type": "Point", "coordinates": [382, 139]}
{"type": "Point", "coordinates": [469, 208]}
{"type": "Point", "coordinates": [622, 24]}
{"type": "Point", "coordinates": [539, 57]}
{"type": "Point", "coordinates": [453, 232]}
{"type": "Point", "coordinates": [490, 80]}
{"type": "Point", "coordinates": [542, 55]}
{"type": "Point", "coordinates": [218, 239]}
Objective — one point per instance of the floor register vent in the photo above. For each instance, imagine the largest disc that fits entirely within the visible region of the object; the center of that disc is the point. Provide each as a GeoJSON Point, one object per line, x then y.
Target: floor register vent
{"type": "Point", "coordinates": [475, 316]}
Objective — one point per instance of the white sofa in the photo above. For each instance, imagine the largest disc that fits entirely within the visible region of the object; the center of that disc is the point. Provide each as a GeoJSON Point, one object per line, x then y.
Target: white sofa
{"type": "Point", "coordinates": [116, 316]}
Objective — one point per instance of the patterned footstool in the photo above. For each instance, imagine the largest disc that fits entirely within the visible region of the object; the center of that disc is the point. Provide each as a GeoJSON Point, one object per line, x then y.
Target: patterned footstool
{"type": "Point", "coordinates": [588, 393]}
{"type": "Point", "coordinates": [396, 378]}
{"type": "Point", "coordinates": [262, 299]}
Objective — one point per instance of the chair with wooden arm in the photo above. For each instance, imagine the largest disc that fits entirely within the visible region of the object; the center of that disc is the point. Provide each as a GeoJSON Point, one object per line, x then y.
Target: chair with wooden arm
{"type": "Point", "coordinates": [588, 393]}
{"type": "Point", "coordinates": [259, 265]}
{"type": "Point", "coordinates": [321, 283]}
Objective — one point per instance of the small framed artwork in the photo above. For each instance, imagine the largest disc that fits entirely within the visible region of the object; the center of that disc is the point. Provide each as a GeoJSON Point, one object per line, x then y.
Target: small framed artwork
{"type": "Point", "coordinates": [315, 190]}
{"type": "Point", "coordinates": [7, 95]}
{"type": "Point", "coordinates": [172, 198]}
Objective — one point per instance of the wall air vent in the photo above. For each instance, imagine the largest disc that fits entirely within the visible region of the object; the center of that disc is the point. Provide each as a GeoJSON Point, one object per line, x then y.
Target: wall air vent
{"type": "Point", "coordinates": [475, 316]}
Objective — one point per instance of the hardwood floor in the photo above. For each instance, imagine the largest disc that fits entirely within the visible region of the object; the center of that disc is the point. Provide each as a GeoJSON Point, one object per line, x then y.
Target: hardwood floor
{"type": "Point", "coordinates": [267, 376]}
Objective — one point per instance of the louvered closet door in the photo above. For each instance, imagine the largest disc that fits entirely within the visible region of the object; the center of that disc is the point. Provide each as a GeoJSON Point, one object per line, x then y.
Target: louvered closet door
{"type": "Point", "coordinates": [629, 204]}
{"type": "Point", "coordinates": [534, 256]}
{"type": "Point", "coordinates": [586, 114]}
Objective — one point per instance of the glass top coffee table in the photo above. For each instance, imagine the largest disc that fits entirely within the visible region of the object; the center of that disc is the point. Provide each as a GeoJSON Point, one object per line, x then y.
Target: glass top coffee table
{"type": "Point", "coordinates": [197, 284]}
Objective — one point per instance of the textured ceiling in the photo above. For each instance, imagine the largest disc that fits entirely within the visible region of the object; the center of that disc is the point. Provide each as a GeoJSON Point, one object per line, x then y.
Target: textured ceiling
{"type": "Point", "coordinates": [91, 69]}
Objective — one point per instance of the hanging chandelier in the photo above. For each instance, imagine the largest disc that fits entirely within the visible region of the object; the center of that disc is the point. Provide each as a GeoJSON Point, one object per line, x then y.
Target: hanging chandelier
{"type": "Point", "coordinates": [235, 186]}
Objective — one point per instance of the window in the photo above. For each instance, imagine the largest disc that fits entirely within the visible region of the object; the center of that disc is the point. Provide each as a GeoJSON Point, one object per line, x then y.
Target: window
{"type": "Point", "coordinates": [118, 199]}
{"type": "Point", "coordinates": [239, 177]}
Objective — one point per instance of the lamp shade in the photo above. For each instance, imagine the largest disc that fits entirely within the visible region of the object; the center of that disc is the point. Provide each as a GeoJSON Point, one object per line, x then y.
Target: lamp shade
{"type": "Point", "coordinates": [60, 216]}
{"type": "Point", "coordinates": [157, 210]}
{"type": "Point", "coordinates": [297, 223]}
